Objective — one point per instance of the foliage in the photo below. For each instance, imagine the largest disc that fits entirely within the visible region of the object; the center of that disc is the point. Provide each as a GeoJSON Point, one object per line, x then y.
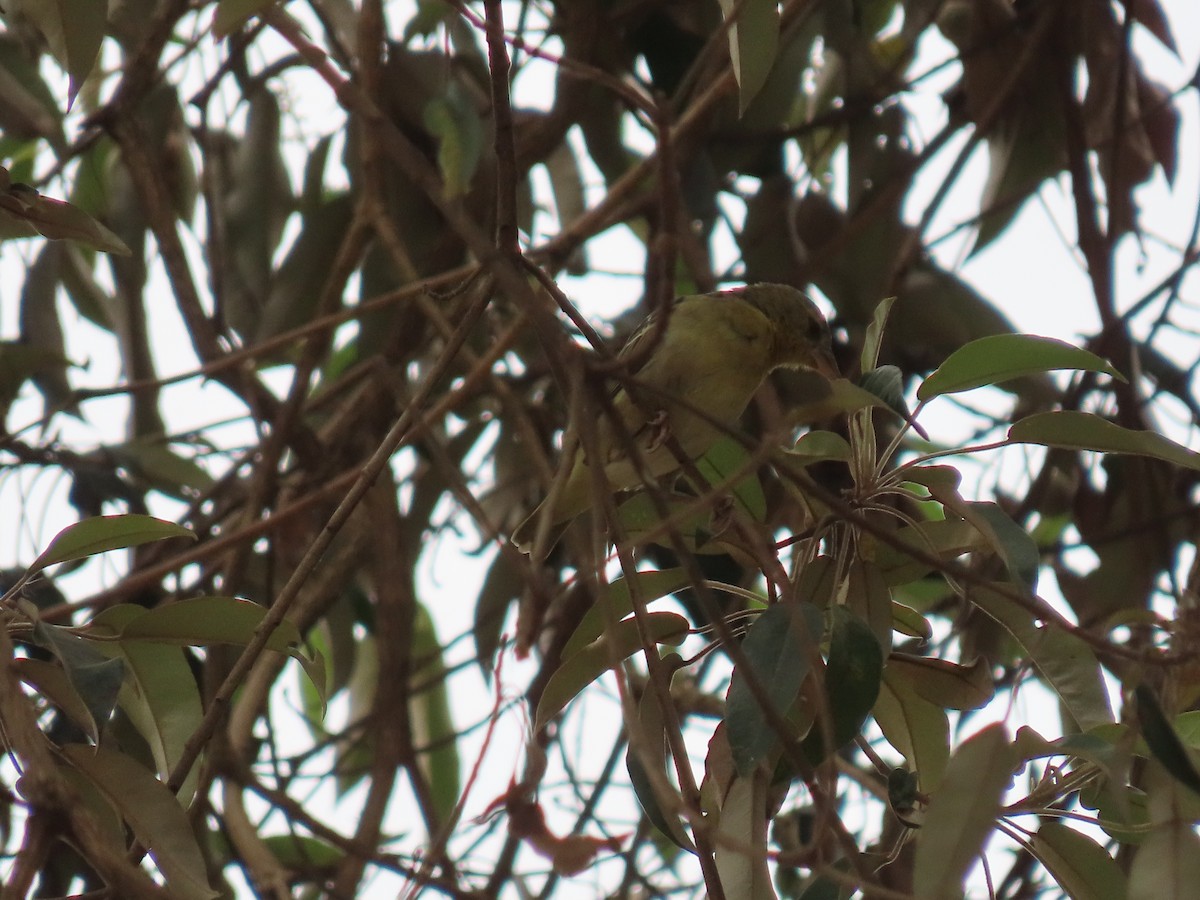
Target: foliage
{"type": "Point", "coordinates": [835, 639]}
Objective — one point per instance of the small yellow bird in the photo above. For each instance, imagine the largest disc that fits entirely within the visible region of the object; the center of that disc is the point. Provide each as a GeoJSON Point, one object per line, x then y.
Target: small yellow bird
{"type": "Point", "coordinates": [716, 351]}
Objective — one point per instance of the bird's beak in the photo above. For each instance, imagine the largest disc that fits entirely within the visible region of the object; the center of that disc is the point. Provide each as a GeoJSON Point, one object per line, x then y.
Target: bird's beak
{"type": "Point", "coordinates": [824, 363]}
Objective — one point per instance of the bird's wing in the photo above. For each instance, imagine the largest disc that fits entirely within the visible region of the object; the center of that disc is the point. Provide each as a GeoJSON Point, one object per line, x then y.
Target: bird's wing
{"type": "Point", "coordinates": [648, 331]}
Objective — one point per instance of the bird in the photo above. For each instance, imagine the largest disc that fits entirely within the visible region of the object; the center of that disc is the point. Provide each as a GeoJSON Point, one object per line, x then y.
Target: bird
{"type": "Point", "coordinates": [714, 354]}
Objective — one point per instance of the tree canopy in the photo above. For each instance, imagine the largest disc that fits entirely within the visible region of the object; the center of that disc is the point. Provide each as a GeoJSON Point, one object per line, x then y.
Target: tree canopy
{"type": "Point", "coordinates": [302, 318]}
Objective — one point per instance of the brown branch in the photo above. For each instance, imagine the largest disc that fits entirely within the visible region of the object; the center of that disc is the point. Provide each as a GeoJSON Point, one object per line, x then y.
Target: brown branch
{"type": "Point", "coordinates": [370, 471]}
{"type": "Point", "coordinates": [507, 237]}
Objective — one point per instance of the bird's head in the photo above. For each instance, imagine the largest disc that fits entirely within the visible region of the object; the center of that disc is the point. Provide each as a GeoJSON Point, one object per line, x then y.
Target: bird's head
{"type": "Point", "coordinates": [802, 338]}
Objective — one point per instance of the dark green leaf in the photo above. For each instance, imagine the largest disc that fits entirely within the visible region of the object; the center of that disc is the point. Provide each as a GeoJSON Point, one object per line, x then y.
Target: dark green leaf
{"type": "Point", "coordinates": [852, 679]}
{"type": "Point", "coordinates": [1164, 743]}
{"type": "Point", "coordinates": [887, 383]}
{"type": "Point", "coordinates": [95, 678]}
{"type": "Point", "coordinates": [779, 648]}
{"type": "Point", "coordinates": [160, 695]}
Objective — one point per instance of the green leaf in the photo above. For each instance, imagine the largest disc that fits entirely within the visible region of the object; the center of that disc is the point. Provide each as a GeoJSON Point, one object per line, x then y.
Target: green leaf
{"type": "Point", "coordinates": [753, 45]}
{"type": "Point", "coordinates": [165, 470]}
{"type": "Point", "coordinates": [852, 679]}
{"type": "Point", "coordinates": [570, 196]}
{"type": "Point", "coordinates": [917, 728]}
{"type": "Point", "coordinates": [1021, 155]}
{"type": "Point", "coordinates": [1072, 430]}
{"type": "Point", "coordinates": [868, 596]}
{"type": "Point", "coordinates": [162, 700]}
{"type": "Point", "coordinates": [650, 754]}
{"type": "Point", "coordinates": [210, 620]}
{"type": "Point", "coordinates": [1002, 357]}
{"type": "Point", "coordinates": [90, 300]}
{"type": "Point", "coordinates": [110, 830]}
{"type": "Point", "coordinates": [945, 539]}
{"type": "Point", "coordinates": [206, 620]}
{"type": "Point", "coordinates": [741, 839]}
{"type": "Point", "coordinates": [41, 325]}
{"type": "Point", "coordinates": [504, 582]}
{"type": "Point", "coordinates": [908, 621]}
{"type": "Point", "coordinates": [639, 515]}
{"type": "Point", "coordinates": [723, 460]}
{"type": "Point", "coordinates": [1066, 663]}
{"type": "Point", "coordinates": [817, 446]}
{"type": "Point", "coordinates": [25, 208]}
{"type": "Point", "coordinates": [20, 362]}
{"type": "Point", "coordinates": [53, 683]}
{"type": "Point", "coordinates": [1014, 544]}
{"type": "Point", "coordinates": [1187, 726]}
{"type": "Point", "coordinates": [1095, 746]}
{"type": "Point", "coordinates": [1082, 868]}
{"type": "Point", "coordinates": [354, 747]}
{"type": "Point", "coordinates": [74, 30]}
{"type": "Point", "coordinates": [430, 14]}
{"type": "Point", "coordinates": [617, 643]}
{"type": "Point", "coordinates": [434, 734]}
{"type": "Point", "coordinates": [1167, 864]}
{"type": "Point", "coordinates": [295, 287]}
{"type": "Point", "coordinates": [453, 119]}
{"type": "Point", "coordinates": [160, 695]}
{"type": "Point", "coordinates": [28, 106]}
{"type": "Point", "coordinates": [962, 814]}
{"type": "Point", "coordinates": [873, 340]}
{"type": "Point", "coordinates": [616, 603]}
{"type": "Point", "coordinates": [103, 533]}
{"type": "Point", "coordinates": [232, 14]}
{"type": "Point", "coordinates": [779, 649]}
{"type": "Point", "coordinates": [945, 683]}
{"type": "Point", "coordinates": [153, 814]}
{"type": "Point", "coordinates": [308, 854]}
